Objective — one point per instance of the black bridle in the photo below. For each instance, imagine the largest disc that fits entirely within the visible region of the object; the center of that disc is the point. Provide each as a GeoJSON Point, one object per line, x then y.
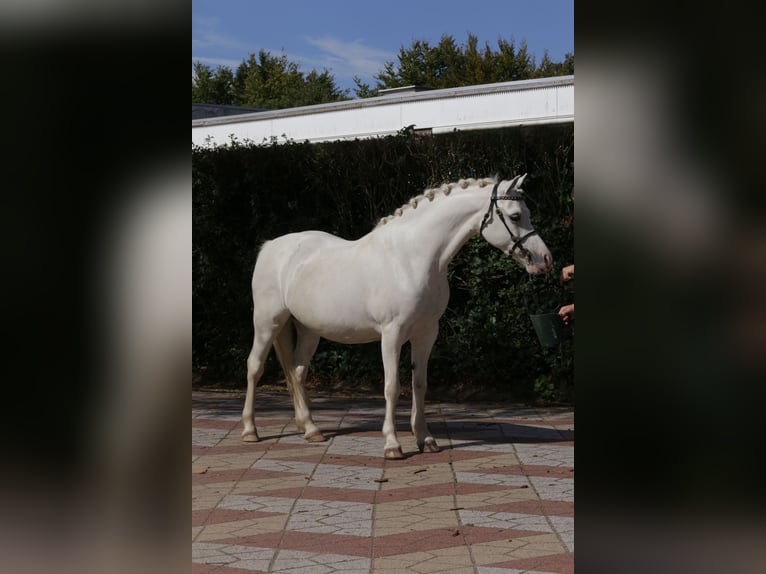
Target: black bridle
{"type": "Point", "coordinates": [518, 242]}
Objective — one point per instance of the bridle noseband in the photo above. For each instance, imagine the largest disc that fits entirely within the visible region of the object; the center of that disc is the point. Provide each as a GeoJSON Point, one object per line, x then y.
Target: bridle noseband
{"type": "Point", "coordinates": [518, 243]}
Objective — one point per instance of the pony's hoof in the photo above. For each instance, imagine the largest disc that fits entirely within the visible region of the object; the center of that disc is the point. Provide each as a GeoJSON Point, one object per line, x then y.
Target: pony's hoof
{"type": "Point", "coordinates": [394, 453]}
{"type": "Point", "coordinates": [251, 437]}
{"type": "Point", "coordinates": [315, 436]}
{"type": "Point", "coordinates": [429, 446]}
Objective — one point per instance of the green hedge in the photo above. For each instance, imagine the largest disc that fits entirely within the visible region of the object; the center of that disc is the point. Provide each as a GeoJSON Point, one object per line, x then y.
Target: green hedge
{"type": "Point", "coordinates": [246, 193]}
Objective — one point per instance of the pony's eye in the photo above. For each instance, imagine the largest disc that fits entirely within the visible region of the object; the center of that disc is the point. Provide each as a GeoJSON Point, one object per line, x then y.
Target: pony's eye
{"type": "Point", "coordinates": [515, 216]}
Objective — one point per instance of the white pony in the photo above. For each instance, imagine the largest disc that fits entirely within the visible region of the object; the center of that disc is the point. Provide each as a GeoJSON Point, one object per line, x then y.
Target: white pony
{"type": "Point", "coordinates": [388, 286]}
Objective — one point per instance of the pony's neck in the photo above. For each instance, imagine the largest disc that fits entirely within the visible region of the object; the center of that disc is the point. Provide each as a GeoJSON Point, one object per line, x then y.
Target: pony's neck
{"type": "Point", "coordinates": [461, 225]}
{"type": "Point", "coordinates": [437, 231]}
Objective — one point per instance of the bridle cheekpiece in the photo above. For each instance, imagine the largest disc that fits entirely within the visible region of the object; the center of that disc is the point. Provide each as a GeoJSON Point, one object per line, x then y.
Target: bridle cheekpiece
{"type": "Point", "coordinates": [518, 243]}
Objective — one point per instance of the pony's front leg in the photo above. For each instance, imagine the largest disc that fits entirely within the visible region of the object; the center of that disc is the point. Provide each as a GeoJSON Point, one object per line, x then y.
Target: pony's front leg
{"type": "Point", "coordinates": [422, 344]}
{"type": "Point", "coordinates": [391, 347]}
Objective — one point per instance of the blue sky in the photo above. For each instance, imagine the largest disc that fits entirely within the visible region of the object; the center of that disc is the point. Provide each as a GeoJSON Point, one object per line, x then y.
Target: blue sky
{"type": "Point", "coordinates": [354, 37]}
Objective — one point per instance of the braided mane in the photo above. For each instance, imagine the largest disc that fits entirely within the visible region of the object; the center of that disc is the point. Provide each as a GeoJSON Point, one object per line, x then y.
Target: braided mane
{"type": "Point", "coordinates": [433, 193]}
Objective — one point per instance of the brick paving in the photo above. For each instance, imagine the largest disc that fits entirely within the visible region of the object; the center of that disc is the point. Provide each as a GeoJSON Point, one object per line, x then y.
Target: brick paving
{"type": "Point", "coordinates": [497, 499]}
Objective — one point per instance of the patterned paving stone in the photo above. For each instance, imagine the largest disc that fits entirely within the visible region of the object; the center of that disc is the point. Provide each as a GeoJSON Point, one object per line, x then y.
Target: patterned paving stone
{"type": "Point", "coordinates": [317, 543]}
{"type": "Point", "coordinates": [357, 445]}
{"type": "Point", "coordinates": [483, 496]}
{"type": "Point", "coordinates": [266, 485]}
{"type": "Point", "coordinates": [394, 493]}
{"type": "Point", "coordinates": [331, 517]}
{"type": "Point", "coordinates": [546, 564]}
{"type": "Point", "coordinates": [493, 478]}
{"type": "Point", "coordinates": [512, 548]}
{"type": "Point", "coordinates": [336, 476]}
{"type": "Point", "coordinates": [554, 488]}
{"type": "Point", "coordinates": [285, 465]}
{"type": "Point", "coordinates": [543, 454]}
{"type": "Point", "coordinates": [324, 493]}
{"type": "Point", "coordinates": [565, 528]}
{"type": "Point", "coordinates": [533, 470]}
{"type": "Point", "coordinates": [415, 514]}
{"type": "Point", "coordinates": [504, 446]}
{"type": "Point", "coordinates": [497, 499]}
{"type": "Point", "coordinates": [207, 437]}
{"type": "Point", "coordinates": [505, 520]}
{"type": "Point", "coordinates": [257, 503]}
{"type": "Point", "coordinates": [534, 506]}
{"type": "Point", "coordinates": [245, 557]}
{"type": "Point", "coordinates": [218, 462]}
{"type": "Point", "coordinates": [259, 523]}
{"type": "Point", "coordinates": [481, 461]}
{"type": "Point", "coordinates": [291, 562]}
{"type": "Point", "coordinates": [455, 560]}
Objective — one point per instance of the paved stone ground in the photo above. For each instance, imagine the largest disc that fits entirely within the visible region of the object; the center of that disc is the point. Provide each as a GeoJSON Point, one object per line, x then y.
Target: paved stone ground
{"type": "Point", "coordinates": [497, 499]}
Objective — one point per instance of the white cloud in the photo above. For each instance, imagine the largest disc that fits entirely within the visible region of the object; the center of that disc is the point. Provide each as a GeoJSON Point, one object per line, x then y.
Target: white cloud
{"type": "Point", "coordinates": [206, 34]}
{"type": "Point", "coordinates": [346, 58]}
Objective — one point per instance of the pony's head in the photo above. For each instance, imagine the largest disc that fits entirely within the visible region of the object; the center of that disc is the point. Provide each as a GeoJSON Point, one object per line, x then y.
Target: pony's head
{"type": "Point", "coordinates": [507, 226]}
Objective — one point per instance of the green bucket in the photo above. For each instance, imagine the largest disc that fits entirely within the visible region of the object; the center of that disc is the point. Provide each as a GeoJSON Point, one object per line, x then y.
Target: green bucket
{"type": "Point", "coordinates": [549, 328]}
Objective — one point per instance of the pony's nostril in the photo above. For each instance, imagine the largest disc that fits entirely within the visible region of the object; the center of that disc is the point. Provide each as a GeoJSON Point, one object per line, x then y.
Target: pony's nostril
{"type": "Point", "coordinates": [547, 259]}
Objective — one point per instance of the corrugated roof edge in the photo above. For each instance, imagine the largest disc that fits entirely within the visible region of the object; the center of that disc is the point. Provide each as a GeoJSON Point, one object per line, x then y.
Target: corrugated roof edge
{"type": "Point", "coordinates": [392, 99]}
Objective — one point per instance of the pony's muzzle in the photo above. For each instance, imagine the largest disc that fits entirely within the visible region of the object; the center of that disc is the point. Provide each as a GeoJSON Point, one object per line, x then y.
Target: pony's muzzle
{"type": "Point", "coordinates": [537, 263]}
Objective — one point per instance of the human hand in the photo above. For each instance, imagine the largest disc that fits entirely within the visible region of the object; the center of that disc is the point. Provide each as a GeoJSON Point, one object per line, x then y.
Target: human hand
{"type": "Point", "coordinates": [567, 273]}
{"type": "Point", "coordinates": [567, 313]}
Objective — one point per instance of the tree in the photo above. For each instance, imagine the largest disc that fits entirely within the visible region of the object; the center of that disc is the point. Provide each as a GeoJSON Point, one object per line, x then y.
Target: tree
{"type": "Point", "coordinates": [320, 88]}
{"type": "Point", "coordinates": [448, 65]}
{"type": "Point", "coordinates": [212, 87]}
{"type": "Point", "coordinates": [363, 89]}
{"type": "Point", "coordinates": [548, 68]}
{"type": "Point", "coordinates": [264, 81]}
{"type": "Point", "coordinates": [269, 81]}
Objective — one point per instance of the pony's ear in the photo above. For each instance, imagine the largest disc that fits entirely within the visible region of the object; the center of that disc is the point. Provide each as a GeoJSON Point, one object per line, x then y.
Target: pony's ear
{"type": "Point", "coordinates": [516, 183]}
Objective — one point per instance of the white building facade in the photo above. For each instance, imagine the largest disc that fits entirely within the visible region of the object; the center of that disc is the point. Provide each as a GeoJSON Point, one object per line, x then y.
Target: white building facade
{"type": "Point", "coordinates": [488, 106]}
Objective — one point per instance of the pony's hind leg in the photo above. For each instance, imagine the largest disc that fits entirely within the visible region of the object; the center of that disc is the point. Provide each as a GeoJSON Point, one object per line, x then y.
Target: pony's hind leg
{"type": "Point", "coordinates": [295, 358]}
{"type": "Point", "coordinates": [265, 331]}
{"type": "Point", "coordinates": [421, 350]}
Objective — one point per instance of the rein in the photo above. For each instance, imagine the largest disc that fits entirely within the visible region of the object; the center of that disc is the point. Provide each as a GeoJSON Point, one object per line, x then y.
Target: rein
{"type": "Point", "coordinates": [518, 242]}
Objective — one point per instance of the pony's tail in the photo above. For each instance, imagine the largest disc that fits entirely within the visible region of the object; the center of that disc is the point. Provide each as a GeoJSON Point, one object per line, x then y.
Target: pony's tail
{"type": "Point", "coordinates": [284, 345]}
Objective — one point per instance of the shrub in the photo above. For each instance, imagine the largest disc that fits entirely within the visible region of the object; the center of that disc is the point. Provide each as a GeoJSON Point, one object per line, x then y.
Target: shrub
{"type": "Point", "coordinates": [245, 194]}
